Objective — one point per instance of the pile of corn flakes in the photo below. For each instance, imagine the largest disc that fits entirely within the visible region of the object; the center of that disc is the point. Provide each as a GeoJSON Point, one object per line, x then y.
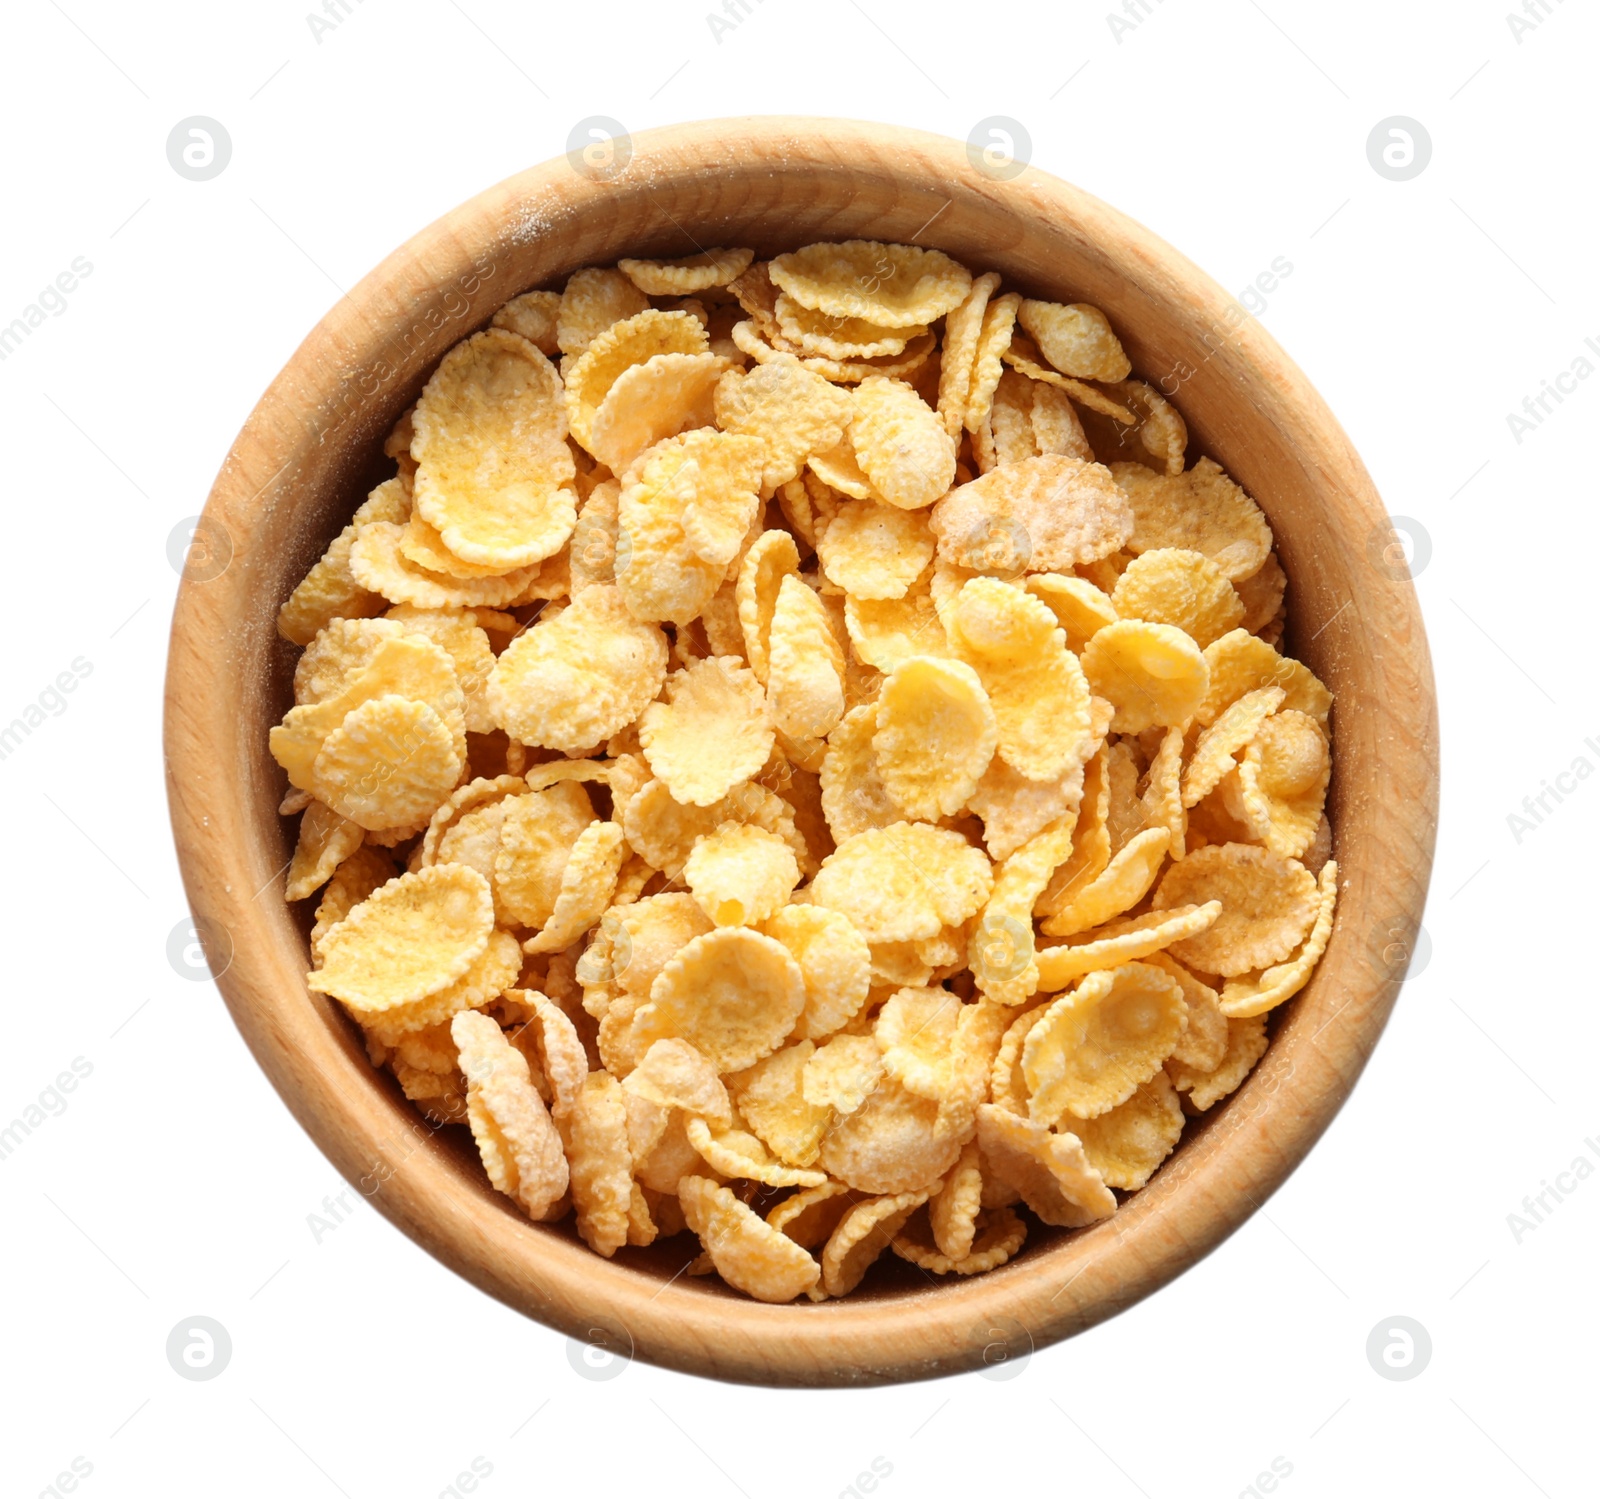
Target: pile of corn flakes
{"type": "Point", "coordinates": [794, 756]}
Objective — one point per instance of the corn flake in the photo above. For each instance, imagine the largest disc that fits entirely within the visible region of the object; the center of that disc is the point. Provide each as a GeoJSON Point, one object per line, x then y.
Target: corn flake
{"type": "Point", "coordinates": [794, 411]}
{"type": "Point", "coordinates": [1202, 510]}
{"type": "Point", "coordinates": [805, 664]}
{"type": "Point", "coordinates": [900, 444]}
{"type": "Point", "coordinates": [1168, 586]}
{"type": "Point", "coordinates": [834, 963]}
{"type": "Point", "coordinates": [1099, 1042]}
{"type": "Point", "coordinates": [1051, 1172]}
{"type": "Point", "coordinates": [1268, 906]}
{"type": "Point", "coordinates": [862, 1235]}
{"type": "Point", "coordinates": [1247, 1040]}
{"type": "Point", "coordinates": [1154, 675]}
{"type": "Point", "coordinates": [1075, 338]}
{"type": "Point", "coordinates": [1256, 993]}
{"type": "Point", "coordinates": [749, 1254]}
{"type": "Point", "coordinates": [1126, 1144]}
{"type": "Point", "coordinates": [936, 735]}
{"type": "Point", "coordinates": [572, 682]}
{"type": "Point", "coordinates": [892, 286]}
{"type": "Point", "coordinates": [709, 733]}
{"type": "Point", "coordinates": [690, 273]}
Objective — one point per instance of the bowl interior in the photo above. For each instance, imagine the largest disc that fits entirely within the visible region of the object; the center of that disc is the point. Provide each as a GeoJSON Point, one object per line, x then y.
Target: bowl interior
{"type": "Point", "coordinates": [312, 449]}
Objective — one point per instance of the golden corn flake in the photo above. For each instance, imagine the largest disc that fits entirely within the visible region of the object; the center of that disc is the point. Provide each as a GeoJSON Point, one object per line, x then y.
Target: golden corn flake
{"type": "Point", "coordinates": [805, 664]}
{"type": "Point", "coordinates": [900, 444]}
{"type": "Point", "coordinates": [738, 1153]}
{"type": "Point", "coordinates": [1241, 663]}
{"type": "Point", "coordinates": [875, 551]}
{"type": "Point", "coordinates": [953, 1209]}
{"type": "Point", "coordinates": [1015, 809]}
{"type": "Point", "coordinates": [904, 883]}
{"type": "Point", "coordinates": [1000, 1236]}
{"type": "Point", "coordinates": [961, 331]}
{"type": "Point", "coordinates": [410, 938]}
{"type": "Point", "coordinates": [1168, 586]}
{"type": "Point", "coordinates": [526, 842]}
{"type": "Point", "coordinates": [1268, 906]}
{"type": "Point", "coordinates": [601, 1163]}
{"type": "Point", "coordinates": [1051, 1172]}
{"type": "Point", "coordinates": [893, 286]}
{"type": "Point", "coordinates": [331, 591]}
{"type": "Point", "coordinates": [673, 1075]}
{"type": "Point", "coordinates": [493, 971]}
{"type": "Point", "coordinates": [366, 870]}
{"type": "Point", "coordinates": [710, 733]}
{"type": "Point", "coordinates": [771, 559]}
{"type": "Point", "coordinates": [890, 1144]}
{"type": "Point", "coordinates": [741, 875]}
{"type": "Point", "coordinates": [1097, 1043]}
{"type": "Point", "coordinates": [1199, 511]}
{"type": "Point", "coordinates": [1205, 1039]}
{"type": "Point", "coordinates": [664, 831]}
{"type": "Point", "coordinates": [914, 1031]}
{"type": "Point", "coordinates": [936, 735]}
{"type": "Point", "coordinates": [592, 551]}
{"type": "Point", "coordinates": [1218, 744]}
{"type": "Point", "coordinates": [838, 468]}
{"type": "Point", "coordinates": [1153, 675]}
{"type": "Point", "coordinates": [842, 1073]}
{"type": "Point", "coordinates": [1045, 514]}
{"type": "Point", "coordinates": [1282, 782]}
{"type": "Point", "coordinates": [592, 302]}
{"type": "Point", "coordinates": [749, 1254]}
{"type": "Point", "coordinates": [378, 563]}
{"type": "Point", "coordinates": [494, 474]}
{"type": "Point", "coordinates": [1262, 595]}
{"type": "Point", "coordinates": [631, 341]}
{"type": "Point", "coordinates": [588, 882]}
{"type": "Point", "coordinates": [685, 507]}
{"type": "Point", "coordinates": [733, 993]}
{"type": "Point", "coordinates": [1075, 338]}
{"type": "Point", "coordinates": [665, 395]}
{"type": "Point", "coordinates": [389, 764]}
{"type": "Point", "coordinates": [1127, 1144]}
{"type": "Point", "coordinates": [1122, 941]}
{"type": "Point", "coordinates": [1256, 993]}
{"type": "Point", "coordinates": [326, 841]}
{"type": "Point", "coordinates": [862, 1235]}
{"type": "Point", "coordinates": [772, 1101]}
{"type": "Point", "coordinates": [994, 337]}
{"type": "Point", "coordinates": [407, 666]}
{"type": "Point", "coordinates": [839, 338]}
{"type": "Point", "coordinates": [834, 963]}
{"type": "Point", "coordinates": [337, 656]}
{"type": "Point", "coordinates": [533, 316]}
{"type": "Point", "coordinates": [690, 273]}
{"type": "Point", "coordinates": [812, 1214]}
{"type": "Point", "coordinates": [1247, 1040]}
{"type": "Point", "coordinates": [572, 682]}
{"type": "Point", "coordinates": [794, 412]}
{"type": "Point", "coordinates": [422, 546]}
{"type": "Point", "coordinates": [521, 1150]}
{"type": "Point", "coordinates": [1035, 686]}
{"type": "Point", "coordinates": [458, 632]}
{"type": "Point", "coordinates": [853, 794]}
{"type": "Point", "coordinates": [886, 632]}
{"type": "Point", "coordinates": [1119, 886]}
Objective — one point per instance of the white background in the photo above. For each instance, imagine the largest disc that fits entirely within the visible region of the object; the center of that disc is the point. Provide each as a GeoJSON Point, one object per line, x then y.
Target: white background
{"type": "Point", "coordinates": [175, 1183]}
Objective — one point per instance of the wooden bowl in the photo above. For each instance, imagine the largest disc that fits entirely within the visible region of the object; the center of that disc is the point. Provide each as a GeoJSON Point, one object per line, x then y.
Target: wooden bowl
{"type": "Point", "coordinates": [312, 448]}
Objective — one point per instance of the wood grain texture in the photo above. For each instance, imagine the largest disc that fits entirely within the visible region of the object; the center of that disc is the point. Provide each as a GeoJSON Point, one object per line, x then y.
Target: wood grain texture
{"type": "Point", "coordinates": [310, 449]}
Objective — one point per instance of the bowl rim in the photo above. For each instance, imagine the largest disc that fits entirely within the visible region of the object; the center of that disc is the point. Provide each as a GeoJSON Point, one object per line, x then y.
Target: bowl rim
{"type": "Point", "coordinates": [1248, 1145]}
